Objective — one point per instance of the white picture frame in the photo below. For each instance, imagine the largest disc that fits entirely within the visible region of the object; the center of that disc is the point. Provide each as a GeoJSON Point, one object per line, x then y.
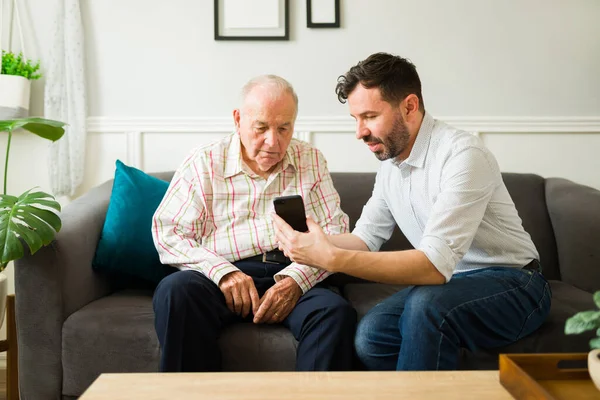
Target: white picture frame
{"type": "Point", "coordinates": [251, 19]}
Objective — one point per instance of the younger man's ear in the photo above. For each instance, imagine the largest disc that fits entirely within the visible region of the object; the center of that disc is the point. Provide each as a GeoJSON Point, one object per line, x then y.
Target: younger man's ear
{"type": "Point", "coordinates": [411, 104]}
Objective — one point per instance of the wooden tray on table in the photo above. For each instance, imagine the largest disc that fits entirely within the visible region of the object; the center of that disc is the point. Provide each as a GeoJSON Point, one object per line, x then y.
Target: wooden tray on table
{"type": "Point", "coordinates": [547, 376]}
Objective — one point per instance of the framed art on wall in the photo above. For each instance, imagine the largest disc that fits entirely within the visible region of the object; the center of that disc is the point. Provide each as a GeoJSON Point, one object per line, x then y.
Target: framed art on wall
{"type": "Point", "coordinates": [323, 13]}
{"type": "Point", "coordinates": [251, 20]}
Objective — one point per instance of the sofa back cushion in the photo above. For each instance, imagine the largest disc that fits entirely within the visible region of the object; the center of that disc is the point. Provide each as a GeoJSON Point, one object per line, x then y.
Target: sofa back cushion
{"type": "Point", "coordinates": [126, 251]}
{"type": "Point", "coordinates": [528, 192]}
{"type": "Point", "coordinates": [575, 213]}
{"type": "Point", "coordinates": [355, 189]}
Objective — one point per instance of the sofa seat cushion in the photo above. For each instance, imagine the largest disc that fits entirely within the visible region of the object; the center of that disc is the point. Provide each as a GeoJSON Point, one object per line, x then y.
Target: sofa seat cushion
{"type": "Point", "coordinates": [567, 300]}
{"type": "Point", "coordinates": [550, 338]}
{"type": "Point", "coordinates": [364, 296]}
{"type": "Point", "coordinates": [112, 334]}
{"type": "Point", "coordinates": [116, 334]}
{"type": "Point", "coordinates": [250, 347]}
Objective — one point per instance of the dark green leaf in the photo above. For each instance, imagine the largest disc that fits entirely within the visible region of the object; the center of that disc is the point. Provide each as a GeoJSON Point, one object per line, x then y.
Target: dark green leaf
{"type": "Point", "coordinates": [48, 203]}
{"type": "Point", "coordinates": [12, 249]}
{"type": "Point", "coordinates": [47, 216]}
{"type": "Point", "coordinates": [40, 198]}
{"type": "Point", "coordinates": [30, 237]}
{"type": "Point", "coordinates": [45, 131]}
{"type": "Point", "coordinates": [582, 321]}
{"type": "Point", "coordinates": [21, 219]}
{"type": "Point", "coordinates": [41, 228]}
{"type": "Point", "coordinates": [595, 343]}
{"type": "Point", "coordinates": [597, 298]}
{"type": "Point", "coordinates": [7, 200]}
{"type": "Point", "coordinates": [44, 128]}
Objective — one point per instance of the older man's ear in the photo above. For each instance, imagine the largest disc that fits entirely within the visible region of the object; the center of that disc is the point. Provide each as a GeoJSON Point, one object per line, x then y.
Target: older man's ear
{"type": "Point", "coordinates": [236, 119]}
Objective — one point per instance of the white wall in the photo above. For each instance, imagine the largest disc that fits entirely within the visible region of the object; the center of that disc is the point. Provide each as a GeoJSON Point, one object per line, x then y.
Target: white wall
{"type": "Point", "coordinates": [499, 67]}
{"type": "Point", "coordinates": [484, 59]}
{"type": "Point", "coordinates": [475, 57]}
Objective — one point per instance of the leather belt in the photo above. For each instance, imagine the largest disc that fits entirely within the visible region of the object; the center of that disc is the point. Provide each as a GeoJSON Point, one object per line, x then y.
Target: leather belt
{"type": "Point", "coordinates": [271, 257]}
{"type": "Point", "coordinates": [534, 265]}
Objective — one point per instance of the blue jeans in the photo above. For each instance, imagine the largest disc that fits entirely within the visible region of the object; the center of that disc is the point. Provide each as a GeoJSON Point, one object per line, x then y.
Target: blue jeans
{"type": "Point", "coordinates": [424, 327]}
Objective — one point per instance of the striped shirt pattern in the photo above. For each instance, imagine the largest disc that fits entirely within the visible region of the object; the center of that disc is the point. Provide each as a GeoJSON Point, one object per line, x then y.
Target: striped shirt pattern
{"type": "Point", "coordinates": [450, 201]}
{"type": "Point", "coordinates": [217, 210]}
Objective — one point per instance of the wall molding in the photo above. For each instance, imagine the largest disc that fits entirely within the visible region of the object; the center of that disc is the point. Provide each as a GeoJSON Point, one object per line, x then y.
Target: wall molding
{"type": "Point", "coordinates": [136, 129]}
{"type": "Point", "coordinates": [336, 124]}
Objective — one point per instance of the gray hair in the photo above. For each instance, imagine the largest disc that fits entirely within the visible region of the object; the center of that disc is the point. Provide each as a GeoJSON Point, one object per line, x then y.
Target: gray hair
{"type": "Point", "coordinates": [280, 84]}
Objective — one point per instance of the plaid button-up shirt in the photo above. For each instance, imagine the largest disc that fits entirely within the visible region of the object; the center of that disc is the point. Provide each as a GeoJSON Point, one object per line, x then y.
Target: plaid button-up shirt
{"type": "Point", "coordinates": [217, 211]}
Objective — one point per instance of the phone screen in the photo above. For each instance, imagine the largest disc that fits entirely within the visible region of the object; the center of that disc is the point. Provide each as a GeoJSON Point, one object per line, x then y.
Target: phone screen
{"type": "Point", "coordinates": [291, 210]}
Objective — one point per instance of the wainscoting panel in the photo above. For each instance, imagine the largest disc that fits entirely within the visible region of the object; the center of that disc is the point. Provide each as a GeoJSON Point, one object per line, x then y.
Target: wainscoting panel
{"type": "Point", "coordinates": [103, 149]}
{"type": "Point", "coordinates": [574, 156]}
{"type": "Point", "coordinates": [564, 147]}
{"type": "Point", "coordinates": [165, 151]}
{"type": "Point", "coordinates": [344, 153]}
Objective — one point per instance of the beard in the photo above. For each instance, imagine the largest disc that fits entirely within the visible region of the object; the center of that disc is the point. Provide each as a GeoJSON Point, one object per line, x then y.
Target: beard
{"type": "Point", "coordinates": [394, 141]}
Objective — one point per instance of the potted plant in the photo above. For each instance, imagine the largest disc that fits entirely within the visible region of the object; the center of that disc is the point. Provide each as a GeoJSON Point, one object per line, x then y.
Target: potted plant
{"type": "Point", "coordinates": [16, 75]}
{"type": "Point", "coordinates": [30, 218]}
{"type": "Point", "coordinates": [586, 321]}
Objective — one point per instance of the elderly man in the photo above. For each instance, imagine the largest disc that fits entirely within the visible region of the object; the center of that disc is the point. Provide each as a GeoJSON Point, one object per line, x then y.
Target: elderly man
{"type": "Point", "coordinates": [474, 269]}
{"type": "Point", "coordinates": [214, 225]}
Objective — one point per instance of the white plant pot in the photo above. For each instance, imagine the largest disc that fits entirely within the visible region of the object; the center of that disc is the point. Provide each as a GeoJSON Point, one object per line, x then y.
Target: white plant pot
{"type": "Point", "coordinates": [3, 293]}
{"type": "Point", "coordinates": [594, 366]}
{"type": "Point", "coordinates": [14, 96]}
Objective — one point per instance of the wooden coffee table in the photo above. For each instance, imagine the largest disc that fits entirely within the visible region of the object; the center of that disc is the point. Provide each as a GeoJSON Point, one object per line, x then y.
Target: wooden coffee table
{"type": "Point", "coordinates": [300, 385]}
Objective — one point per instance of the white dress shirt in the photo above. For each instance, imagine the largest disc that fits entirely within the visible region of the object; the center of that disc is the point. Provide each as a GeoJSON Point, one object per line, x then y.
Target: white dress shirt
{"type": "Point", "coordinates": [450, 201]}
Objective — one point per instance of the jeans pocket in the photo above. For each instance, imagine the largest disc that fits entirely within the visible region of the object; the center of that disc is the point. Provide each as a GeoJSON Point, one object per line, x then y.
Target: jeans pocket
{"type": "Point", "coordinates": [541, 308]}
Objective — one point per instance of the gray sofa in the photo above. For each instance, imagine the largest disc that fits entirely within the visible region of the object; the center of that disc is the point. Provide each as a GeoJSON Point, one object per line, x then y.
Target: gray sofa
{"type": "Point", "coordinates": [71, 327]}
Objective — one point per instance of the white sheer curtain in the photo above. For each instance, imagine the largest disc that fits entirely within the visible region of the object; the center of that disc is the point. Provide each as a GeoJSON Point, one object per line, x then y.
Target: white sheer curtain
{"type": "Point", "coordinates": [65, 98]}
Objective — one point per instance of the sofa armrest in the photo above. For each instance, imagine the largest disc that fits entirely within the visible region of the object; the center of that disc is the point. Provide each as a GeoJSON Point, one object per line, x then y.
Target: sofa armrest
{"type": "Point", "coordinates": [574, 210]}
{"type": "Point", "coordinates": [52, 284]}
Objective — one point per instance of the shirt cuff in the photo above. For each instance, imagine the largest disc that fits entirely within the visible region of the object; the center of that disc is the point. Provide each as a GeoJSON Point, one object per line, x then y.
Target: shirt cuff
{"type": "Point", "coordinates": [217, 272]}
{"type": "Point", "coordinates": [366, 238]}
{"type": "Point", "coordinates": [440, 254]}
{"type": "Point", "coordinates": [301, 274]}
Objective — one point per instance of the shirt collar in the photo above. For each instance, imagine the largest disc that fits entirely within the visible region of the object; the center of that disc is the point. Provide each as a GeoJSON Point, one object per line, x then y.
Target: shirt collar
{"type": "Point", "coordinates": [419, 151]}
{"type": "Point", "coordinates": [233, 158]}
{"type": "Point", "coordinates": [234, 164]}
{"type": "Point", "coordinates": [289, 159]}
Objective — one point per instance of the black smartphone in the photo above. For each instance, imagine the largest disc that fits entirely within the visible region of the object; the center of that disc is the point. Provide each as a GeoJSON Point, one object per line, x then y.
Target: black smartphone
{"type": "Point", "coordinates": [291, 210]}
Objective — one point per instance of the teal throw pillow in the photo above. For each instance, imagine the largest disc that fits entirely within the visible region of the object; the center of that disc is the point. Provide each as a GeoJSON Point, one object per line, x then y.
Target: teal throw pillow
{"type": "Point", "coordinates": [126, 250]}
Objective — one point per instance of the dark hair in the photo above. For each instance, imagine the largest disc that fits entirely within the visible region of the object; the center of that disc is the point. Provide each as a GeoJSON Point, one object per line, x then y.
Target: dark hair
{"type": "Point", "coordinates": [396, 78]}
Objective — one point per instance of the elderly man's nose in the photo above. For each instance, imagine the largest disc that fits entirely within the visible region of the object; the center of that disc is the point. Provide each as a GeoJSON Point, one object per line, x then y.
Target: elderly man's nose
{"type": "Point", "coordinates": [270, 137]}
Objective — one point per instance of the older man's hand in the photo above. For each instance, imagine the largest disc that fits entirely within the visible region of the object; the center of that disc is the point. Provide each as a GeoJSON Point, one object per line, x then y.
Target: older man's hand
{"type": "Point", "coordinates": [310, 248]}
{"type": "Point", "coordinates": [278, 302]}
{"type": "Point", "coordinates": [240, 293]}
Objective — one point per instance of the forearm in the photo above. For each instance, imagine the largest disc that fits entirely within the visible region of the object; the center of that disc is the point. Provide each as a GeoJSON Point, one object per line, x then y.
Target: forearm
{"type": "Point", "coordinates": [408, 267]}
{"type": "Point", "coordinates": [348, 241]}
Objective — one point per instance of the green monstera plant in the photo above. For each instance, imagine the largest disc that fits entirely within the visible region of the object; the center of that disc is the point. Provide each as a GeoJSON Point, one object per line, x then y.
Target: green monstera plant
{"type": "Point", "coordinates": [31, 218]}
{"type": "Point", "coordinates": [586, 321]}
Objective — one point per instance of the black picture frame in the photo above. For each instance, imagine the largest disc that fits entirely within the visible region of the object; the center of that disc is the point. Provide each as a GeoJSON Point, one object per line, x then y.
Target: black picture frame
{"type": "Point", "coordinates": [281, 33]}
{"type": "Point", "coordinates": [309, 17]}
